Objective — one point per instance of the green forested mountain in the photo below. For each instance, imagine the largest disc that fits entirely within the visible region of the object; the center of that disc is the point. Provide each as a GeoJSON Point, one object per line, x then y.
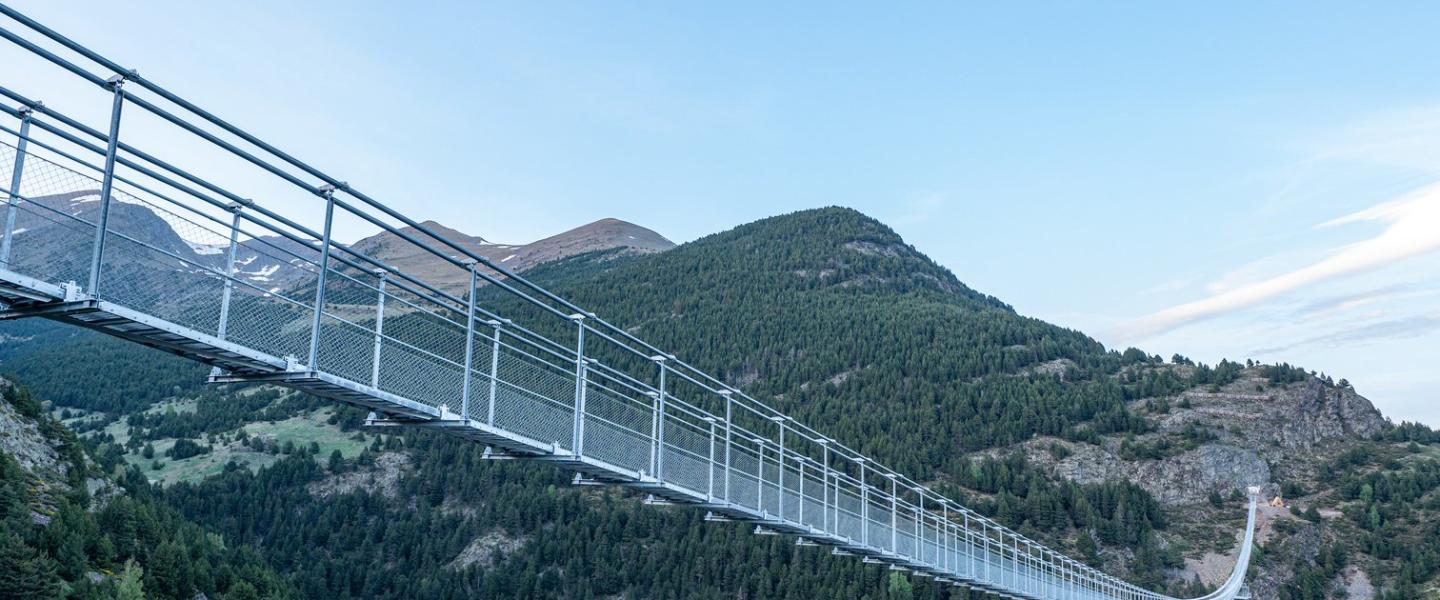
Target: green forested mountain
{"type": "Point", "coordinates": [67, 529]}
{"type": "Point", "coordinates": [831, 316]}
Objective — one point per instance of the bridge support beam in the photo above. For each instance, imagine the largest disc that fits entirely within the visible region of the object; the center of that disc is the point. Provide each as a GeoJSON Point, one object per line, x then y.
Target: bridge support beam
{"type": "Point", "coordinates": [469, 367]}
{"type": "Point", "coordinates": [780, 469]}
{"type": "Point", "coordinates": [657, 420]}
{"type": "Point", "coordinates": [729, 427]}
{"type": "Point", "coordinates": [13, 195]}
{"type": "Point", "coordinates": [322, 279]}
{"type": "Point", "coordinates": [107, 184]}
{"type": "Point", "coordinates": [382, 277]}
{"type": "Point", "coordinates": [577, 434]}
{"type": "Point", "coordinates": [229, 289]}
{"type": "Point", "coordinates": [494, 372]}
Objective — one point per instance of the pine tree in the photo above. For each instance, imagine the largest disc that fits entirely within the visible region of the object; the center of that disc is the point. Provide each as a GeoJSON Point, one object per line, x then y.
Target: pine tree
{"type": "Point", "coordinates": [130, 585]}
{"type": "Point", "coordinates": [24, 573]}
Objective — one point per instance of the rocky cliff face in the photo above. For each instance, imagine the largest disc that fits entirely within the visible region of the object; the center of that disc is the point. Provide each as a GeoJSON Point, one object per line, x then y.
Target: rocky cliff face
{"type": "Point", "coordinates": [21, 438]}
{"type": "Point", "coordinates": [48, 453]}
{"type": "Point", "coordinates": [1224, 440]}
{"type": "Point", "coordinates": [1311, 414]}
{"type": "Point", "coordinates": [1186, 478]}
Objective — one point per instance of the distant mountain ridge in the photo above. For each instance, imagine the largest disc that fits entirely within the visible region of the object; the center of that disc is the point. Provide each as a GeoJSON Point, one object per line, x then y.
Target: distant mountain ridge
{"type": "Point", "coordinates": [605, 234]}
{"type": "Point", "coordinates": [263, 261]}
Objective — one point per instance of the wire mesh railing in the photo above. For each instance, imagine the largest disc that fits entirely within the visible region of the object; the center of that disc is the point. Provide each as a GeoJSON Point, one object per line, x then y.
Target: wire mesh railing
{"type": "Point", "coordinates": [549, 373]}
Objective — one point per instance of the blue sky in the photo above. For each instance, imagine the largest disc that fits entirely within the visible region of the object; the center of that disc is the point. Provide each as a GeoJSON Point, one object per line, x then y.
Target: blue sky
{"type": "Point", "coordinates": [1219, 180]}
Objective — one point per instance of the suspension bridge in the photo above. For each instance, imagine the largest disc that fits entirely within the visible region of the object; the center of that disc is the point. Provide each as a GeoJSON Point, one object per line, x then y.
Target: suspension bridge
{"type": "Point", "coordinates": [99, 233]}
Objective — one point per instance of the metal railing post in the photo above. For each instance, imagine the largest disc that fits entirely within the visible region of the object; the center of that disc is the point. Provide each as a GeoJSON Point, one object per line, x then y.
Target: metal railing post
{"type": "Point", "coordinates": [577, 434]}
{"type": "Point", "coordinates": [1075, 574]}
{"type": "Point", "coordinates": [990, 555]}
{"type": "Point", "coordinates": [383, 277]}
{"type": "Point", "coordinates": [494, 373]}
{"type": "Point", "coordinates": [1056, 568]}
{"type": "Point", "coordinates": [654, 441]}
{"type": "Point", "coordinates": [710, 491]}
{"type": "Point", "coordinates": [1062, 574]}
{"type": "Point", "coordinates": [759, 475]}
{"type": "Point", "coordinates": [999, 553]}
{"type": "Point", "coordinates": [864, 504]}
{"type": "Point", "coordinates": [11, 205]}
{"type": "Point", "coordinates": [1063, 569]}
{"type": "Point", "coordinates": [1047, 566]}
{"type": "Point", "coordinates": [657, 419]}
{"type": "Point", "coordinates": [894, 514]}
{"type": "Point", "coordinates": [952, 534]}
{"type": "Point", "coordinates": [107, 183]}
{"type": "Point", "coordinates": [944, 535]}
{"type": "Point", "coordinates": [1032, 567]}
{"type": "Point", "coordinates": [223, 326]}
{"type": "Point", "coordinates": [919, 552]}
{"type": "Point", "coordinates": [469, 345]}
{"type": "Point", "coordinates": [800, 496]}
{"type": "Point", "coordinates": [957, 543]}
{"type": "Point", "coordinates": [321, 281]}
{"type": "Point", "coordinates": [1014, 571]}
{"type": "Point", "coordinates": [1027, 566]}
{"type": "Point", "coordinates": [977, 550]}
{"type": "Point", "coordinates": [729, 426]}
{"type": "Point", "coordinates": [1014, 550]}
{"type": "Point", "coordinates": [780, 470]}
{"type": "Point", "coordinates": [825, 509]}
{"type": "Point", "coordinates": [1018, 563]}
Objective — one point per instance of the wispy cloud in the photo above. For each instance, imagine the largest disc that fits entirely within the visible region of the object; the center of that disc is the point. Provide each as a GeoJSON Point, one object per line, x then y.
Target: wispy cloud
{"type": "Point", "coordinates": [1320, 307]}
{"type": "Point", "coordinates": [1407, 327]}
{"type": "Point", "coordinates": [1403, 138]}
{"type": "Point", "coordinates": [1413, 229]}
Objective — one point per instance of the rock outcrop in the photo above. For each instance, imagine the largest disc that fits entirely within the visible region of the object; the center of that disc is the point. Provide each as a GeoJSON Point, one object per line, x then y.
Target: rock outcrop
{"type": "Point", "coordinates": [1182, 479]}
{"type": "Point", "coordinates": [1225, 439]}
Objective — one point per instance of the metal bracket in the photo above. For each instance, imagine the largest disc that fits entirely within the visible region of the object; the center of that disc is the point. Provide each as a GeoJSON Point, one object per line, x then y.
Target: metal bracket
{"type": "Point", "coordinates": [119, 79]}
{"type": "Point", "coordinates": [493, 454]}
{"type": "Point", "coordinates": [72, 292]}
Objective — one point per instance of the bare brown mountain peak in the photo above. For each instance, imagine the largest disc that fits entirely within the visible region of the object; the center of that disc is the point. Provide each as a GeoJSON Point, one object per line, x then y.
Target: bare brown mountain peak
{"type": "Point", "coordinates": [604, 234]}
{"type": "Point", "coordinates": [268, 262]}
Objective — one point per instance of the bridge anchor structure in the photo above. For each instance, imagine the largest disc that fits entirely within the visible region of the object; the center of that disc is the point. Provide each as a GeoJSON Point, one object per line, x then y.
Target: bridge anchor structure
{"type": "Point", "coordinates": [100, 233]}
